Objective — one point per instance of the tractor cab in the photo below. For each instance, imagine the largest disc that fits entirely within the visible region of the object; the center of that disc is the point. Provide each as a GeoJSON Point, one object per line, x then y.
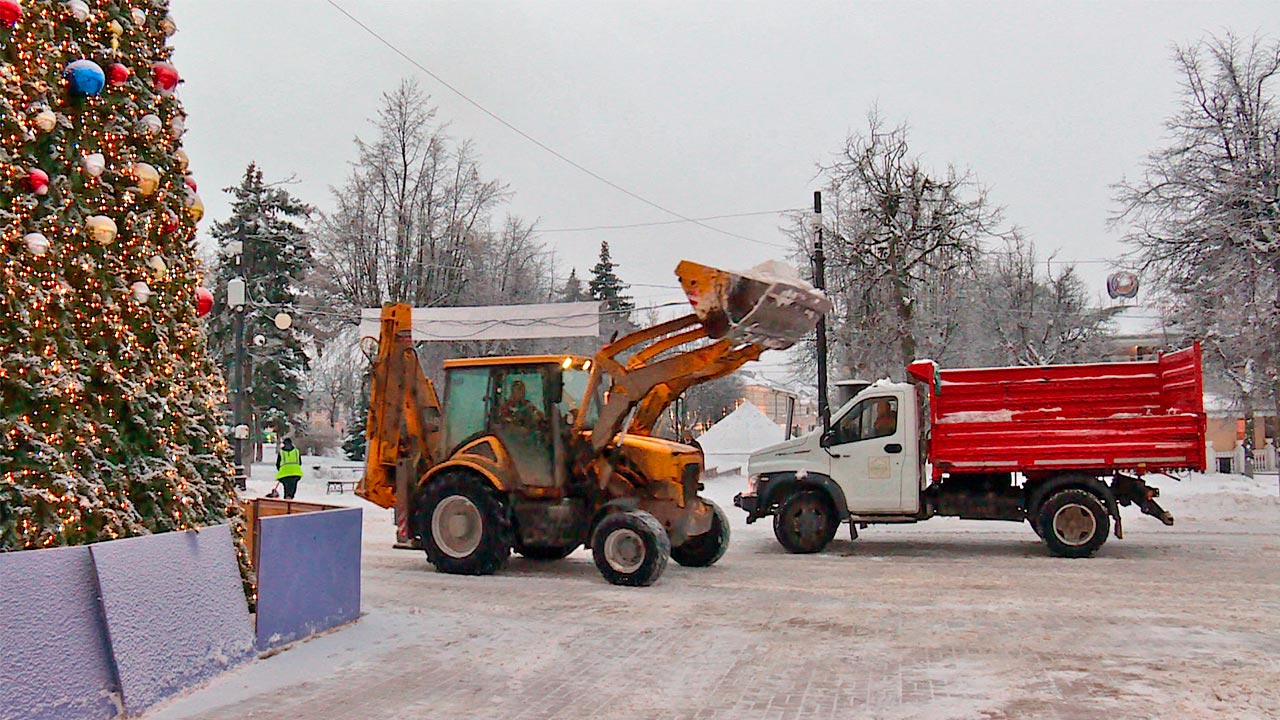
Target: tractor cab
{"type": "Point", "coordinates": [527, 403]}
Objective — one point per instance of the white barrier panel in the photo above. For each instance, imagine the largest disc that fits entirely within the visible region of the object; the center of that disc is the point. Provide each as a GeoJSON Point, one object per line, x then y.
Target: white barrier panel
{"type": "Point", "coordinates": [496, 322]}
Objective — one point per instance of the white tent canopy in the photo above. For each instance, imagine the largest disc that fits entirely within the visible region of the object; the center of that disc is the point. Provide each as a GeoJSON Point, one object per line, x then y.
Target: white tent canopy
{"type": "Point", "coordinates": [728, 443]}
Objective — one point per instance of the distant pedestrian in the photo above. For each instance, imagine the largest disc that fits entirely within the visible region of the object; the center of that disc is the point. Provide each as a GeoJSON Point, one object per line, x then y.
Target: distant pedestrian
{"type": "Point", "coordinates": [289, 468]}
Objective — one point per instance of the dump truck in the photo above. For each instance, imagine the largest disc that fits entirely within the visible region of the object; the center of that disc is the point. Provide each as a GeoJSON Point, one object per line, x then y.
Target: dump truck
{"type": "Point", "coordinates": [542, 454]}
{"type": "Point", "coordinates": [1062, 447]}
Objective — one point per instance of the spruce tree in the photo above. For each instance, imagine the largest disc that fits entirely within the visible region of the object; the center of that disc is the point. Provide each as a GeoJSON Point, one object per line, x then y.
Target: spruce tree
{"type": "Point", "coordinates": [572, 290]}
{"type": "Point", "coordinates": [607, 287]}
{"type": "Point", "coordinates": [109, 420]}
{"type": "Point", "coordinates": [275, 255]}
{"type": "Point", "coordinates": [354, 442]}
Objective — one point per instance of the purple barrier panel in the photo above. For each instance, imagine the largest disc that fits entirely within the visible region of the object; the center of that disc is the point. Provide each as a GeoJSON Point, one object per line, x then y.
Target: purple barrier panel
{"type": "Point", "coordinates": [308, 574]}
{"type": "Point", "coordinates": [176, 614]}
{"type": "Point", "coordinates": [54, 660]}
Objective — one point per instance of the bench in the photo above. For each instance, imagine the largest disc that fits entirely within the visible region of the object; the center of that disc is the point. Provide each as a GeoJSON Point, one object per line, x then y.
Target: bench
{"type": "Point", "coordinates": [340, 486]}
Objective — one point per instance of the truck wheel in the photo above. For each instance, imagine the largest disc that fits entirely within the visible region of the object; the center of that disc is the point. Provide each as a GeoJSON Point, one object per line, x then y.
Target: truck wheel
{"type": "Point", "coordinates": [630, 548]}
{"type": "Point", "coordinates": [705, 549]}
{"type": "Point", "coordinates": [546, 552]}
{"type": "Point", "coordinates": [464, 525]}
{"type": "Point", "coordinates": [806, 522]}
{"type": "Point", "coordinates": [1074, 523]}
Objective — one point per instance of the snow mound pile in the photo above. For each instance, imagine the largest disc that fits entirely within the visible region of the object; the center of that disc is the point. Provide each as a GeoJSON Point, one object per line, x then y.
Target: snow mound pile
{"type": "Point", "coordinates": [741, 432]}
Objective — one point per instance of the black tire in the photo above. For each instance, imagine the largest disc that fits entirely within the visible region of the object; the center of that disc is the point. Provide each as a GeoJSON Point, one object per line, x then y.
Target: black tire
{"type": "Point", "coordinates": [1074, 523]}
{"type": "Point", "coordinates": [705, 549]}
{"type": "Point", "coordinates": [806, 522]}
{"type": "Point", "coordinates": [482, 543]}
{"type": "Point", "coordinates": [630, 548]}
{"type": "Point", "coordinates": [546, 552]}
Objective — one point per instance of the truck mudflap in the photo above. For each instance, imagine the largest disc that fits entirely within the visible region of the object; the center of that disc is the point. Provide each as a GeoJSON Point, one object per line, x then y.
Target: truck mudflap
{"type": "Point", "coordinates": [1131, 490]}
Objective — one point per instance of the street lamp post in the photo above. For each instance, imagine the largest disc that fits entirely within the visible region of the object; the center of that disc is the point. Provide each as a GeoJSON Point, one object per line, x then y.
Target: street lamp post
{"type": "Point", "coordinates": [820, 282]}
{"type": "Point", "coordinates": [236, 300]}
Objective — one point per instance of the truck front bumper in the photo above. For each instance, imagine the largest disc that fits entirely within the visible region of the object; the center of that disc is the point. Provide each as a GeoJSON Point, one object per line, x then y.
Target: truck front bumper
{"type": "Point", "coordinates": [749, 503]}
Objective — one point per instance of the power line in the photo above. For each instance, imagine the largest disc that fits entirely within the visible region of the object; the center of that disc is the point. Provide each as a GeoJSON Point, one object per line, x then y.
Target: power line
{"type": "Point", "coordinates": [668, 222]}
{"type": "Point", "coordinates": [537, 142]}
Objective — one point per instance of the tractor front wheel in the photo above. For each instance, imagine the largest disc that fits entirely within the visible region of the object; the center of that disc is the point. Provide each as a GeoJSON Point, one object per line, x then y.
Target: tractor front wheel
{"type": "Point", "coordinates": [630, 548]}
{"type": "Point", "coordinates": [464, 525]}
{"type": "Point", "coordinates": [705, 549]}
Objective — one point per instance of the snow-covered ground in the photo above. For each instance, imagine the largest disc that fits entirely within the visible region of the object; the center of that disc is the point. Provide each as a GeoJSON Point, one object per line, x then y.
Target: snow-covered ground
{"type": "Point", "coordinates": [946, 619]}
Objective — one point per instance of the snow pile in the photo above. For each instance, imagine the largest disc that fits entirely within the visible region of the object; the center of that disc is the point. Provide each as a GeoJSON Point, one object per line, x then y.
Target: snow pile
{"type": "Point", "coordinates": [975, 416]}
{"type": "Point", "coordinates": [776, 271]}
{"type": "Point", "coordinates": [728, 443]}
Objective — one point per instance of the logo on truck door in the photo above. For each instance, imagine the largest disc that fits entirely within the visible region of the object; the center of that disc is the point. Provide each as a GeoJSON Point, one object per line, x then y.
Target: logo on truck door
{"type": "Point", "coordinates": [878, 467]}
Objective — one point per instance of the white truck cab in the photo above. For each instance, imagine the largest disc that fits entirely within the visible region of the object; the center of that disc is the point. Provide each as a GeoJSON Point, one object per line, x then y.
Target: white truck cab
{"type": "Point", "coordinates": [868, 466]}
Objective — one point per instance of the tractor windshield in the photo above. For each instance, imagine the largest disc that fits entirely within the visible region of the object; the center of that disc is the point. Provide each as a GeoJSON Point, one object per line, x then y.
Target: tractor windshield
{"type": "Point", "coordinates": [575, 384]}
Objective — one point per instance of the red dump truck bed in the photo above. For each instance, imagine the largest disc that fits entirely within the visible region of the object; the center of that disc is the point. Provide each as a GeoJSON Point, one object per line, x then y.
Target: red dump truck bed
{"type": "Point", "coordinates": [1133, 416]}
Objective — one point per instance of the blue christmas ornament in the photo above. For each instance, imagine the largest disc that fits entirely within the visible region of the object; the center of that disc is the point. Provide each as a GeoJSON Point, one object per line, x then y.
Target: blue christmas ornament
{"type": "Point", "coordinates": [85, 77]}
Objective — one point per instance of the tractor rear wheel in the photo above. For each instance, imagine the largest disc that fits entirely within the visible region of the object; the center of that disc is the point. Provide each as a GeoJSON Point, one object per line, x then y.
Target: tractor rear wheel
{"type": "Point", "coordinates": [806, 522]}
{"type": "Point", "coordinates": [705, 549]}
{"type": "Point", "coordinates": [464, 525]}
{"type": "Point", "coordinates": [630, 548]}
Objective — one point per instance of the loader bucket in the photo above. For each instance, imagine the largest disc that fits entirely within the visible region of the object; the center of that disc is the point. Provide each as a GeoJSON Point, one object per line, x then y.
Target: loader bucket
{"type": "Point", "coordinates": [768, 305]}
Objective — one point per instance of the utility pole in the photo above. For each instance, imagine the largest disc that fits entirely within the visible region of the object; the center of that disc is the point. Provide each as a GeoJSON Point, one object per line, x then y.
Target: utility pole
{"type": "Point", "coordinates": [236, 300]}
{"type": "Point", "coordinates": [820, 282]}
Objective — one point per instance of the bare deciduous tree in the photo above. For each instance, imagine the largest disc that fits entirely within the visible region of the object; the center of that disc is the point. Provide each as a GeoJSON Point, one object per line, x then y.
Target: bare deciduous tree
{"type": "Point", "coordinates": [1204, 218]}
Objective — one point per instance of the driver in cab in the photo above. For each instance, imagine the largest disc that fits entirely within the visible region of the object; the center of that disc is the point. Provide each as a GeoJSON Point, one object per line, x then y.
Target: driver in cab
{"type": "Point", "coordinates": [517, 411]}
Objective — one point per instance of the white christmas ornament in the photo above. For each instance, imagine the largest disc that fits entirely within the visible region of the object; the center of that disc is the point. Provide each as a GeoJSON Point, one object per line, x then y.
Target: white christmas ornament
{"type": "Point", "coordinates": [168, 26]}
{"type": "Point", "coordinates": [102, 229]}
{"type": "Point", "coordinates": [283, 320]}
{"type": "Point", "coordinates": [37, 243]}
{"type": "Point", "coordinates": [178, 126]}
{"type": "Point", "coordinates": [46, 120]}
{"type": "Point", "coordinates": [79, 9]}
{"type": "Point", "coordinates": [141, 292]}
{"type": "Point", "coordinates": [158, 266]}
{"type": "Point", "coordinates": [139, 17]}
{"type": "Point", "coordinates": [150, 124]}
{"type": "Point", "coordinates": [94, 164]}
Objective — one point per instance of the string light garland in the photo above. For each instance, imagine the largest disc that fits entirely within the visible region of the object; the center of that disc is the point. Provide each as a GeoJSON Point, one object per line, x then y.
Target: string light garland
{"type": "Point", "coordinates": [110, 407]}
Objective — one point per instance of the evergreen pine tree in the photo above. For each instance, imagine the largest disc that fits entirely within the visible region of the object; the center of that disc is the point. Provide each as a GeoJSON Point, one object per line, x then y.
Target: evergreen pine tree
{"type": "Point", "coordinates": [353, 443]}
{"type": "Point", "coordinates": [572, 290]}
{"type": "Point", "coordinates": [276, 254]}
{"type": "Point", "coordinates": [607, 287]}
{"type": "Point", "coordinates": [109, 422]}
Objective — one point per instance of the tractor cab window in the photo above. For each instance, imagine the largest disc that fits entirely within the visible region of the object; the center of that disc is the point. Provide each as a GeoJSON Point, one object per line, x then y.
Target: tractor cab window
{"type": "Point", "coordinates": [869, 419]}
{"type": "Point", "coordinates": [466, 400]}
{"type": "Point", "coordinates": [575, 386]}
{"type": "Point", "coordinates": [521, 421]}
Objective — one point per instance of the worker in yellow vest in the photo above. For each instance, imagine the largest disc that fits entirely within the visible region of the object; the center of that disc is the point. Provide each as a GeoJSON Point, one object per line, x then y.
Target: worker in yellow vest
{"type": "Point", "coordinates": [289, 468]}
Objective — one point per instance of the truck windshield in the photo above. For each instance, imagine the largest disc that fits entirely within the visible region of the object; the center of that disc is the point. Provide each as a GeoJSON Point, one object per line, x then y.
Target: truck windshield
{"type": "Point", "coordinates": [575, 384]}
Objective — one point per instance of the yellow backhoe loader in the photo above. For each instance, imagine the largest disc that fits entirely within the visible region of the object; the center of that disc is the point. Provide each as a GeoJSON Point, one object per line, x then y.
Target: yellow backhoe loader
{"type": "Point", "coordinates": [541, 454]}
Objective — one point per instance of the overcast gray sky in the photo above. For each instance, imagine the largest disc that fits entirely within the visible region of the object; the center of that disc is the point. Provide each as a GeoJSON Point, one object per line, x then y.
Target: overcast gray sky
{"type": "Point", "coordinates": [707, 108]}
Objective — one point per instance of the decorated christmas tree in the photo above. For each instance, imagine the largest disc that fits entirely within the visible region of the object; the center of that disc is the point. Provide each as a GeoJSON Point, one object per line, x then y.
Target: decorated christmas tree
{"type": "Point", "coordinates": [109, 403]}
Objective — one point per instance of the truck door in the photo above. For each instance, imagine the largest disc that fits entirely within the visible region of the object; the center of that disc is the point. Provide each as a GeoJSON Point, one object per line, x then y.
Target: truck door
{"type": "Point", "coordinates": [870, 453]}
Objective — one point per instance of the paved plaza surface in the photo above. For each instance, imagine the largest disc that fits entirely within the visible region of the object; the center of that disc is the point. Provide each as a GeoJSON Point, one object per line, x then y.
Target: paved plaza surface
{"type": "Point", "coordinates": [945, 619]}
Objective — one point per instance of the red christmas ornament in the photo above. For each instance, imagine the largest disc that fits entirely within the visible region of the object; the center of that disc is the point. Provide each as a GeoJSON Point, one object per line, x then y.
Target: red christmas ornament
{"type": "Point", "coordinates": [204, 301]}
{"type": "Point", "coordinates": [164, 76]}
{"type": "Point", "coordinates": [10, 12]}
{"type": "Point", "coordinates": [171, 223]}
{"type": "Point", "coordinates": [38, 181]}
{"type": "Point", "coordinates": [117, 73]}
{"type": "Point", "coordinates": [191, 183]}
